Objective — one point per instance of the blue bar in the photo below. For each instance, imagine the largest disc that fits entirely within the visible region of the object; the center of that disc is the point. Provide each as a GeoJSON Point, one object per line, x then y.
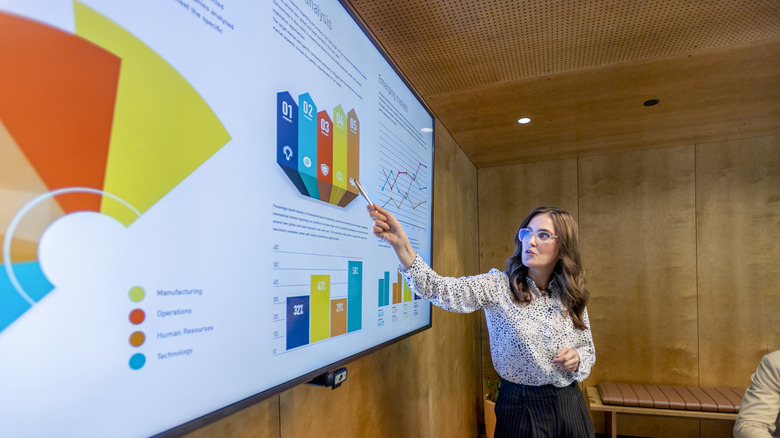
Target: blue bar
{"type": "Point", "coordinates": [287, 139]}
{"type": "Point", "coordinates": [297, 321]}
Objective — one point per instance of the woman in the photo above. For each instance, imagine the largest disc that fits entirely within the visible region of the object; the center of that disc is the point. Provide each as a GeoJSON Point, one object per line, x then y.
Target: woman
{"type": "Point", "coordinates": [540, 339]}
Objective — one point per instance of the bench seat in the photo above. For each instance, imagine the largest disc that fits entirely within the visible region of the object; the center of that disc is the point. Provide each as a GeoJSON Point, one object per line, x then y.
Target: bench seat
{"type": "Point", "coordinates": [663, 400]}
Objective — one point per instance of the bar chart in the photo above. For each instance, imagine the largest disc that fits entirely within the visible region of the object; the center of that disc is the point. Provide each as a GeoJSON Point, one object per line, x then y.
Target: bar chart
{"type": "Point", "coordinates": [396, 303]}
{"type": "Point", "coordinates": [317, 296]}
{"type": "Point", "coordinates": [393, 293]}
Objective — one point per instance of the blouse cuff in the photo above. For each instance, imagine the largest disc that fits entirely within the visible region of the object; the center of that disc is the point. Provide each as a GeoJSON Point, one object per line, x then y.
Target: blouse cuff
{"type": "Point", "coordinates": [415, 263]}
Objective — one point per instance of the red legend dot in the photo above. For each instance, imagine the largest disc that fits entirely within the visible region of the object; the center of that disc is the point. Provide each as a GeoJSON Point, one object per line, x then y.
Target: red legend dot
{"type": "Point", "coordinates": [137, 316]}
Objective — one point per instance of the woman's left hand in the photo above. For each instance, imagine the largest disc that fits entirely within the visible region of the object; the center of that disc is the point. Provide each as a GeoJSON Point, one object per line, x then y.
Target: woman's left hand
{"type": "Point", "coordinates": [567, 360]}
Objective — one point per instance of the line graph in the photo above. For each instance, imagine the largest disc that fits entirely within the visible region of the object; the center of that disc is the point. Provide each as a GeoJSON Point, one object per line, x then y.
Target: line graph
{"type": "Point", "coordinates": [404, 178]}
{"type": "Point", "coordinates": [413, 177]}
{"type": "Point", "coordinates": [391, 183]}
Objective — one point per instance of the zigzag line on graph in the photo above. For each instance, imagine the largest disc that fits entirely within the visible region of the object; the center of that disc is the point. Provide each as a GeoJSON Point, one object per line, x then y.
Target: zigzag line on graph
{"type": "Point", "coordinates": [398, 174]}
{"type": "Point", "coordinates": [399, 204]}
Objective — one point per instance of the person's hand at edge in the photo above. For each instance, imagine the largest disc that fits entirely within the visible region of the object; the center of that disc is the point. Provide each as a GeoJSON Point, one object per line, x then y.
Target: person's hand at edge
{"type": "Point", "coordinates": [387, 228]}
{"type": "Point", "coordinates": [567, 360]}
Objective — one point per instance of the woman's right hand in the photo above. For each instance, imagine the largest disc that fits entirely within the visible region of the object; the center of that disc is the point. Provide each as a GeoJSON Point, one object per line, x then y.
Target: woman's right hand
{"type": "Point", "coordinates": [387, 228]}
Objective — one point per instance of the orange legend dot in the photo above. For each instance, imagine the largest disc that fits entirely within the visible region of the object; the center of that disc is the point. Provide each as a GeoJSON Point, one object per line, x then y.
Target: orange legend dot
{"type": "Point", "coordinates": [137, 316]}
{"type": "Point", "coordinates": [137, 339]}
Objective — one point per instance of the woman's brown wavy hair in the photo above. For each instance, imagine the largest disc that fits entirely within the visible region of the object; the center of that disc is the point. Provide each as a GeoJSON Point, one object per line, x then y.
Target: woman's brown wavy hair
{"type": "Point", "coordinates": [568, 271]}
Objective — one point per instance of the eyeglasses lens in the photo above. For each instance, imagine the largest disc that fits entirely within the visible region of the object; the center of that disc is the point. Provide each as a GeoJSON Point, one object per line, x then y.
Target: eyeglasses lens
{"type": "Point", "coordinates": [541, 236]}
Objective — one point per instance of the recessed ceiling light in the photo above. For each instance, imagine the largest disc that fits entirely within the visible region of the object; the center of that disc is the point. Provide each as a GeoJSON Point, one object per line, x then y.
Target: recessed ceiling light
{"type": "Point", "coordinates": [524, 120]}
{"type": "Point", "coordinates": [426, 130]}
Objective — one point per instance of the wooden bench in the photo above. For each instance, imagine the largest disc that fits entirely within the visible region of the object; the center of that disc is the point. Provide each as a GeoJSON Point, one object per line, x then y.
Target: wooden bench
{"type": "Point", "coordinates": [662, 400]}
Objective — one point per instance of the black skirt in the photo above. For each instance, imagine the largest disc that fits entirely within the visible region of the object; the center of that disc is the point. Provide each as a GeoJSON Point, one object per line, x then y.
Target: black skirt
{"type": "Point", "coordinates": [541, 411]}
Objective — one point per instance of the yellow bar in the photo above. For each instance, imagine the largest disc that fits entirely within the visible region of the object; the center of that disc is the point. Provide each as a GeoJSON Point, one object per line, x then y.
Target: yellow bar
{"type": "Point", "coordinates": [320, 307]}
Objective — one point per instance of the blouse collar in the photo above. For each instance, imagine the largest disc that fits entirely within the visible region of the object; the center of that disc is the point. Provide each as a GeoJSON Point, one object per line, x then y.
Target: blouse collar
{"type": "Point", "coordinates": [552, 287]}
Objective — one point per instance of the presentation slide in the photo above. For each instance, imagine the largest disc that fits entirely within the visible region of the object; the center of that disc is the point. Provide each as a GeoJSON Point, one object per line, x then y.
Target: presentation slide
{"type": "Point", "coordinates": [180, 224]}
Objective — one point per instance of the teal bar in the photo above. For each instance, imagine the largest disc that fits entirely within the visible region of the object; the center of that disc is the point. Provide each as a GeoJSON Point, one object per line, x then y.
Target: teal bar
{"type": "Point", "coordinates": [354, 296]}
{"type": "Point", "coordinates": [380, 293]}
{"type": "Point", "coordinates": [387, 289]}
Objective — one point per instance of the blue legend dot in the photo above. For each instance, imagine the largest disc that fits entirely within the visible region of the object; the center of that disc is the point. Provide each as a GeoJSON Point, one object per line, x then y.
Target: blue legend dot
{"type": "Point", "coordinates": [137, 361]}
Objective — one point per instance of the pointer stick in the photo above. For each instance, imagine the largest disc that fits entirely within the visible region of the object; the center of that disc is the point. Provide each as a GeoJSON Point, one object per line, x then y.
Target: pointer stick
{"type": "Point", "coordinates": [363, 192]}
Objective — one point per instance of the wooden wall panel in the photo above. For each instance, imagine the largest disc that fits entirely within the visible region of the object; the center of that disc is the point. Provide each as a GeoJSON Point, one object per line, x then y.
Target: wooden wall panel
{"type": "Point", "coordinates": [453, 372]}
{"type": "Point", "coordinates": [738, 221]}
{"type": "Point", "coordinates": [379, 398]}
{"type": "Point", "coordinates": [259, 420]}
{"type": "Point", "coordinates": [716, 429]}
{"type": "Point", "coordinates": [638, 231]}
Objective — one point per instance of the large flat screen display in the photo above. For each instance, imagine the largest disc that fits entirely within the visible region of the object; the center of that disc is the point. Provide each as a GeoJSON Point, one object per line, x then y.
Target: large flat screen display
{"type": "Point", "coordinates": [181, 232]}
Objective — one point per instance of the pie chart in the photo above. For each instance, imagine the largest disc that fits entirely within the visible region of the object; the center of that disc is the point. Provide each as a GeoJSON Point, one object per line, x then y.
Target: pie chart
{"type": "Point", "coordinates": [89, 121]}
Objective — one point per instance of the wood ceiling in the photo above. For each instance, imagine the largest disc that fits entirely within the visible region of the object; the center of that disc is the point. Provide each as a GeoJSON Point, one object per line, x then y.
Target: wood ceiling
{"type": "Point", "coordinates": [581, 70]}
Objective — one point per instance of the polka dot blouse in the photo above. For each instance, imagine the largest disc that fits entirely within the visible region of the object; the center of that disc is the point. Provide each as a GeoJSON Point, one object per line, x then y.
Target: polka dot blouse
{"type": "Point", "coordinates": [524, 339]}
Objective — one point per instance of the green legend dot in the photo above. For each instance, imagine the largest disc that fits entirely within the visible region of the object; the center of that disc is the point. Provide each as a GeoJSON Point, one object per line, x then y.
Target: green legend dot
{"type": "Point", "coordinates": [137, 294]}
